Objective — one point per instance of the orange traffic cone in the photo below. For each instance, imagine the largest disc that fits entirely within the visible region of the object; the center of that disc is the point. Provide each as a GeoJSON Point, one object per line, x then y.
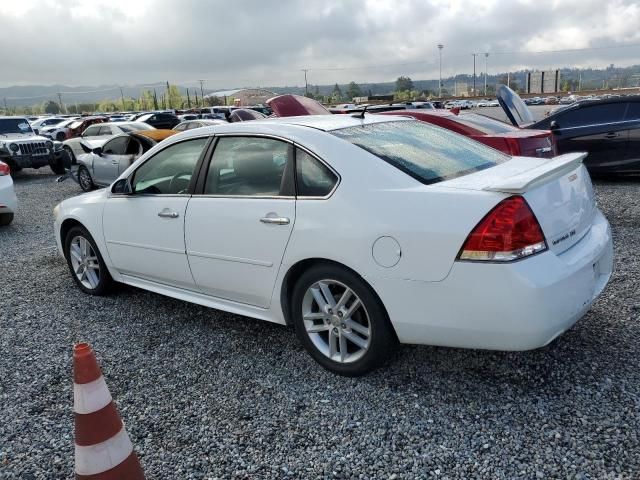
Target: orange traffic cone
{"type": "Point", "coordinates": [103, 448]}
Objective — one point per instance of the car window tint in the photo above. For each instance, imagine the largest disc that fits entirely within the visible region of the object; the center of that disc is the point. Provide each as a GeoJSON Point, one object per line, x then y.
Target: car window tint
{"type": "Point", "coordinates": [169, 171]}
{"type": "Point", "coordinates": [427, 153]}
{"type": "Point", "coordinates": [592, 115]}
{"type": "Point", "coordinates": [247, 166]}
{"type": "Point", "coordinates": [105, 131]}
{"type": "Point", "coordinates": [181, 127]}
{"type": "Point", "coordinates": [313, 178]}
{"type": "Point", "coordinates": [91, 131]}
{"type": "Point", "coordinates": [133, 147]}
{"type": "Point", "coordinates": [117, 146]}
{"type": "Point", "coordinates": [633, 112]}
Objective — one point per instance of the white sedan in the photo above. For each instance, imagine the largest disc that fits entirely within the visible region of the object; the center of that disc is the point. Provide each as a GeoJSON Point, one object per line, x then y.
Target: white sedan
{"type": "Point", "coordinates": [359, 232]}
{"type": "Point", "coordinates": [8, 200]}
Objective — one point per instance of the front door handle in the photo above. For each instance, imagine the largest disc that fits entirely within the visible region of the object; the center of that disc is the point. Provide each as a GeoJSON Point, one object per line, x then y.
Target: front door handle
{"type": "Point", "coordinates": [166, 213]}
{"type": "Point", "coordinates": [611, 135]}
{"type": "Point", "coordinates": [275, 220]}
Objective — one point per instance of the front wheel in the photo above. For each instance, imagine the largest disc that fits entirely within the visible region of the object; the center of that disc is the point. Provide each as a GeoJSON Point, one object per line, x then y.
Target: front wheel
{"type": "Point", "coordinates": [85, 180]}
{"type": "Point", "coordinates": [85, 262]}
{"type": "Point", "coordinates": [71, 154]}
{"type": "Point", "coordinates": [5, 219]}
{"type": "Point", "coordinates": [340, 321]}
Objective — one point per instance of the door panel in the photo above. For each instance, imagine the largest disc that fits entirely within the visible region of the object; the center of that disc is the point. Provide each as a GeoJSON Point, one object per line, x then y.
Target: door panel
{"type": "Point", "coordinates": [143, 243]}
{"type": "Point", "coordinates": [232, 253]}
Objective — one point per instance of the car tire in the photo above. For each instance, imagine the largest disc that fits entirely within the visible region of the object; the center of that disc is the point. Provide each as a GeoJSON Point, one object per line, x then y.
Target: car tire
{"type": "Point", "coordinates": [85, 262]}
{"type": "Point", "coordinates": [84, 179]}
{"type": "Point", "coordinates": [13, 168]}
{"type": "Point", "coordinates": [57, 166]}
{"type": "Point", "coordinates": [6, 219]}
{"type": "Point", "coordinates": [348, 336]}
{"type": "Point", "coordinates": [71, 154]}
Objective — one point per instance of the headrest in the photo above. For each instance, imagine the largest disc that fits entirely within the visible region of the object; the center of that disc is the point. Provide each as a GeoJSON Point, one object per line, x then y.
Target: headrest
{"type": "Point", "coordinates": [254, 164]}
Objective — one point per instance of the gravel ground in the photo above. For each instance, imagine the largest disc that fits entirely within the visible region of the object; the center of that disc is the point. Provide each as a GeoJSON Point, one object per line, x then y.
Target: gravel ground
{"type": "Point", "coordinates": [209, 395]}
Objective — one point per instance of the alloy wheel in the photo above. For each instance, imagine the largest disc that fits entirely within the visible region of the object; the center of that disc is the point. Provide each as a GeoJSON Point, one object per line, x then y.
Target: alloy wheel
{"type": "Point", "coordinates": [336, 321]}
{"type": "Point", "coordinates": [85, 179]}
{"type": "Point", "coordinates": [84, 261]}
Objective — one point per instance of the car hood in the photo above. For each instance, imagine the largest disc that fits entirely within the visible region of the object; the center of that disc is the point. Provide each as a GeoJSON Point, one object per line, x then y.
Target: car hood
{"type": "Point", "coordinates": [295, 106]}
{"type": "Point", "coordinates": [513, 106]}
{"type": "Point", "coordinates": [6, 137]}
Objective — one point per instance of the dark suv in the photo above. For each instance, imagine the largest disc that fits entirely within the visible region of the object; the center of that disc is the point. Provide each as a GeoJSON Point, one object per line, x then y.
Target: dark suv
{"type": "Point", "coordinates": [160, 120]}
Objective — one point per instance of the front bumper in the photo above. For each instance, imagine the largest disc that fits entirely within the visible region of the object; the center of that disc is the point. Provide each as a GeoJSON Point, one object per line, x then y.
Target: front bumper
{"type": "Point", "coordinates": [516, 306]}
{"type": "Point", "coordinates": [30, 161]}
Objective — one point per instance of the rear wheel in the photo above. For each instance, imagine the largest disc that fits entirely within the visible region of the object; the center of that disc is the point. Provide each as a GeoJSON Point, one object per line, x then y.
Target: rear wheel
{"type": "Point", "coordinates": [84, 179]}
{"type": "Point", "coordinates": [340, 321]}
{"type": "Point", "coordinates": [85, 262]}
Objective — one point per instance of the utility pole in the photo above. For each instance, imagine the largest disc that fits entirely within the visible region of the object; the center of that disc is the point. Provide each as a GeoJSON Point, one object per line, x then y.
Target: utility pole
{"type": "Point", "coordinates": [122, 96]}
{"type": "Point", "coordinates": [168, 96]}
{"type": "Point", "coordinates": [201, 92]}
{"type": "Point", "coordinates": [440, 47]}
{"type": "Point", "coordinates": [580, 80]}
{"type": "Point", "coordinates": [474, 73]}
{"type": "Point", "coordinates": [188, 100]}
{"type": "Point", "coordinates": [5, 105]}
{"type": "Point", "coordinates": [60, 102]}
{"type": "Point", "coordinates": [509, 79]}
{"type": "Point", "coordinates": [486, 56]}
{"type": "Point", "coordinates": [306, 85]}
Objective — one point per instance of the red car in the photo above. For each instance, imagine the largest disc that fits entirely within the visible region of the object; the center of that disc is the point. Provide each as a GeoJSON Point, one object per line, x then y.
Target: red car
{"type": "Point", "coordinates": [76, 128]}
{"type": "Point", "coordinates": [494, 133]}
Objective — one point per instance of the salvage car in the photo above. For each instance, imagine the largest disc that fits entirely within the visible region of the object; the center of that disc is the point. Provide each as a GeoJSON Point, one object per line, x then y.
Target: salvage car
{"type": "Point", "coordinates": [100, 132]}
{"type": "Point", "coordinates": [359, 232]}
{"type": "Point", "coordinates": [608, 129]}
{"type": "Point", "coordinates": [102, 164]}
{"type": "Point", "coordinates": [8, 199]}
{"type": "Point", "coordinates": [191, 124]}
{"type": "Point", "coordinates": [499, 135]}
{"type": "Point", "coordinates": [21, 148]}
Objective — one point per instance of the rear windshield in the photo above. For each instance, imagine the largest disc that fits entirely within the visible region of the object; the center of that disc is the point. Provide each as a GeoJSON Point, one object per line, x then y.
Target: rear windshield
{"type": "Point", "coordinates": [427, 153]}
{"type": "Point", "coordinates": [484, 124]}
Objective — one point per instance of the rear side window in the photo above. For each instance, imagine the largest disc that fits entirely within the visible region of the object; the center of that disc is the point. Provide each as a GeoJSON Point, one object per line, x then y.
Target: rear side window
{"type": "Point", "coordinates": [427, 153]}
{"type": "Point", "coordinates": [313, 178]}
{"type": "Point", "coordinates": [592, 115]}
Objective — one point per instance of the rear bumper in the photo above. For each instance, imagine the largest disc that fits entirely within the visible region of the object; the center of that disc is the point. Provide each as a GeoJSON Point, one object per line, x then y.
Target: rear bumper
{"type": "Point", "coordinates": [517, 306]}
{"type": "Point", "coordinates": [8, 199]}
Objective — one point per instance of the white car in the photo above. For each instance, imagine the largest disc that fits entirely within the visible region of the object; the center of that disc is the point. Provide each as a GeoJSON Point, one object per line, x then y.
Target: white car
{"type": "Point", "coordinates": [98, 133]}
{"type": "Point", "coordinates": [41, 123]}
{"type": "Point", "coordinates": [58, 131]}
{"type": "Point", "coordinates": [359, 232]}
{"type": "Point", "coordinates": [8, 199]}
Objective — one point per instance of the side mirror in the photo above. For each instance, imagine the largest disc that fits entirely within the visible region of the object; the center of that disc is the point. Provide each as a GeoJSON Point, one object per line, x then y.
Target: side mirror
{"type": "Point", "coordinates": [553, 126]}
{"type": "Point", "coordinates": [97, 151]}
{"type": "Point", "coordinates": [122, 187]}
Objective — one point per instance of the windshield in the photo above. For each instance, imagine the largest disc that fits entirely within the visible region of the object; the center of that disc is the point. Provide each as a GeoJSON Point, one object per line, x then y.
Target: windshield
{"type": "Point", "coordinates": [14, 125]}
{"type": "Point", "coordinates": [427, 153]}
{"type": "Point", "coordinates": [484, 124]}
{"type": "Point", "coordinates": [135, 127]}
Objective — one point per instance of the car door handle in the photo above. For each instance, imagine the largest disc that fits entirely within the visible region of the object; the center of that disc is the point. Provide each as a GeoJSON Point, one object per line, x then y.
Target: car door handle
{"type": "Point", "coordinates": [275, 220]}
{"type": "Point", "coordinates": [611, 135]}
{"type": "Point", "coordinates": [166, 213]}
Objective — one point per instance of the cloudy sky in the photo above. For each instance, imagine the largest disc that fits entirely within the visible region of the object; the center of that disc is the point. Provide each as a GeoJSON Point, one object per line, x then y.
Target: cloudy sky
{"type": "Point", "coordinates": [234, 43]}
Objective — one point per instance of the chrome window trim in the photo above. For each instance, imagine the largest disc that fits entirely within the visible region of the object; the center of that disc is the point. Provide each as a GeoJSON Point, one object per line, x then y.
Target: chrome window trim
{"type": "Point", "coordinates": [257, 197]}
{"type": "Point", "coordinates": [598, 124]}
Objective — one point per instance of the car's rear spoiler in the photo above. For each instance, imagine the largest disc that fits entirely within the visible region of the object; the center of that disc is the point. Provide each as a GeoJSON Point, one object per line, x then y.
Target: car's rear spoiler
{"type": "Point", "coordinates": [553, 168]}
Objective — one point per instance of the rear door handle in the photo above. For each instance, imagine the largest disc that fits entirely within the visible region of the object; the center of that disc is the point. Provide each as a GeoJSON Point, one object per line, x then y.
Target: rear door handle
{"type": "Point", "coordinates": [275, 220]}
{"type": "Point", "coordinates": [611, 135]}
{"type": "Point", "coordinates": [166, 213]}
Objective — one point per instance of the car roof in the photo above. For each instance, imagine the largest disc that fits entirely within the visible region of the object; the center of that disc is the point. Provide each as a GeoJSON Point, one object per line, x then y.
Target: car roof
{"type": "Point", "coordinates": [330, 122]}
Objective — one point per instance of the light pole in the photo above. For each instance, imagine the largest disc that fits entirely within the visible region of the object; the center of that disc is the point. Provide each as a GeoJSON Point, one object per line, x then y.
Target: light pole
{"type": "Point", "coordinates": [486, 56]}
{"type": "Point", "coordinates": [440, 47]}
{"type": "Point", "coordinates": [474, 73]}
{"type": "Point", "coordinates": [306, 85]}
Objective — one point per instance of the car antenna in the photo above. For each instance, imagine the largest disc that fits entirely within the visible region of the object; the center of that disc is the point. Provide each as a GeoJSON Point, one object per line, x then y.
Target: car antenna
{"type": "Point", "coordinates": [361, 114]}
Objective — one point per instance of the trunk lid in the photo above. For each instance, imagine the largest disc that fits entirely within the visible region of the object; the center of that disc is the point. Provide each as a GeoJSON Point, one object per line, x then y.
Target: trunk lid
{"type": "Point", "coordinates": [513, 106]}
{"type": "Point", "coordinates": [559, 191]}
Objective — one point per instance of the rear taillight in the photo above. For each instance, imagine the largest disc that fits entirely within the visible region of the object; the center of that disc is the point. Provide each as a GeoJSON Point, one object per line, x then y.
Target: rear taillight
{"type": "Point", "coordinates": [514, 146]}
{"type": "Point", "coordinates": [508, 232]}
{"type": "Point", "coordinates": [4, 169]}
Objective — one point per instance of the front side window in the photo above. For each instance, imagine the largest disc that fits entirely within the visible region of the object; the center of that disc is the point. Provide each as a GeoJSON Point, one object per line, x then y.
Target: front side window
{"type": "Point", "coordinates": [592, 115]}
{"type": "Point", "coordinates": [104, 131]}
{"type": "Point", "coordinates": [425, 152]}
{"type": "Point", "coordinates": [117, 146]}
{"type": "Point", "coordinates": [169, 171]}
{"type": "Point", "coordinates": [313, 178]}
{"type": "Point", "coordinates": [247, 166]}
